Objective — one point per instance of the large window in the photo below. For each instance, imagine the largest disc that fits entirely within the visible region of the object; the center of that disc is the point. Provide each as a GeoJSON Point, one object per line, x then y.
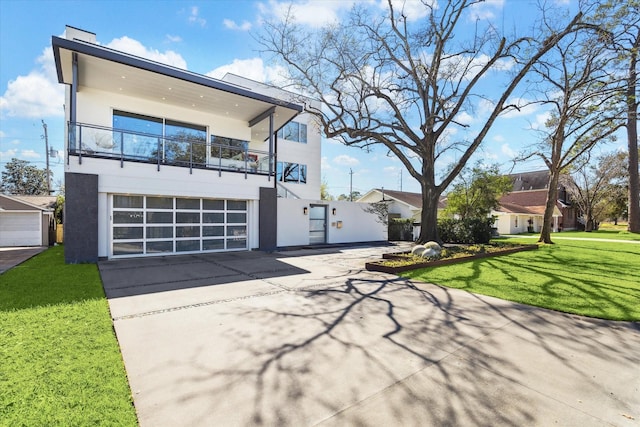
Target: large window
{"type": "Point", "coordinates": [142, 143]}
{"type": "Point", "coordinates": [151, 137]}
{"type": "Point", "coordinates": [294, 131]}
{"type": "Point", "coordinates": [291, 172]}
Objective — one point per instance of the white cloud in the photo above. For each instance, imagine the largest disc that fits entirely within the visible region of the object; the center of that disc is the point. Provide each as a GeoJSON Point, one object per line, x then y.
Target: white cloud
{"type": "Point", "coordinates": [37, 94]}
{"type": "Point", "coordinates": [391, 170]}
{"type": "Point", "coordinates": [173, 39]}
{"type": "Point", "coordinates": [464, 118]}
{"type": "Point", "coordinates": [411, 9]}
{"type": "Point", "coordinates": [508, 151]}
{"type": "Point", "coordinates": [499, 138]}
{"type": "Point", "coordinates": [252, 68]}
{"type": "Point", "coordinates": [134, 47]}
{"type": "Point", "coordinates": [345, 160]}
{"type": "Point", "coordinates": [324, 164]}
{"type": "Point", "coordinates": [30, 154]}
{"type": "Point", "coordinates": [2, 134]}
{"type": "Point", "coordinates": [486, 9]}
{"type": "Point", "coordinates": [541, 120]}
{"type": "Point", "coordinates": [10, 153]}
{"type": "Point", "coordinates": [194, 17]}
{"type": "Point", "coordinates": [313, 13]}
{"type": "Point", "coordinates": [520, 107]}
{"type": "Point", "coordinates": [233, 25]}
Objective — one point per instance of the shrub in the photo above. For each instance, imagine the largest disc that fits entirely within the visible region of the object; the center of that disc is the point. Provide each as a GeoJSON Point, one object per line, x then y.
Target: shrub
{"type": "Point", "coordinates": [469, 230]}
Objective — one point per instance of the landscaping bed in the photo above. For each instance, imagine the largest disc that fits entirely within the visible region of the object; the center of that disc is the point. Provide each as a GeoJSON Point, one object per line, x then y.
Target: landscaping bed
{"type": "Point", "coordinates": [398, 262]}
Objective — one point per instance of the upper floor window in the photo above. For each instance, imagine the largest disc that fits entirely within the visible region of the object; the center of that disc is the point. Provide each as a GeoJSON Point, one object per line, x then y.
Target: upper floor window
{"type": "Point", "coordinates": [294, 131]}
{"type": "Point", "coordinates": [153, 137]}
{"type": "Point", "coordinates": [291, 172]}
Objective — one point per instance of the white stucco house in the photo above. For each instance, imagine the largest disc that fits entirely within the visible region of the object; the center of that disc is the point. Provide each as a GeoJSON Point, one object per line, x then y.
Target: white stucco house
{"type": "Point", "coordinates": [160, 161]}
{"type": "Point", "coordinates": [401, 204]}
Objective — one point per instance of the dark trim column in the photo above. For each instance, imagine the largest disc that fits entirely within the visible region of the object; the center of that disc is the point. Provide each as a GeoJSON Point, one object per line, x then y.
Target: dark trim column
{"type": "Point", "coordinates": [268, 219]}
{"type": "Point", "coordinates": [80, 218]}
{"type": "Point", "coordinates": [74, 88]}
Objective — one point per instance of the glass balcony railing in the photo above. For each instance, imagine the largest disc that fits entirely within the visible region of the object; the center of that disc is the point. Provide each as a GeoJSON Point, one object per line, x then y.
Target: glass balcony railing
{"type": "Point", "coordinates": [102, 142]}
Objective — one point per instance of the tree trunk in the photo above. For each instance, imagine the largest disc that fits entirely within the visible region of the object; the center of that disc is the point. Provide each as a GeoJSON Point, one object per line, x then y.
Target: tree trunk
{"type": "Point", "coordinates": [632, 138]}
{"type": "Point", "coordinates": [552, 196]}
{"type": "Point", "coordinates": [588, 227]}
{"type": "Point", "coordinates": [429, 216]}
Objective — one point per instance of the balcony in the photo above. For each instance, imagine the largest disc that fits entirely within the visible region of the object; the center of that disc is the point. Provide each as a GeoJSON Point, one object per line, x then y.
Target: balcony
{"type": "Point", "coordinates": [87, 140]}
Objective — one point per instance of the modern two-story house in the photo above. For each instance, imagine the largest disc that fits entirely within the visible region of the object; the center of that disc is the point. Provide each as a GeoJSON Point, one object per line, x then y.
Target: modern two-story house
{"type": "Point", "coordinates": [160, 160]}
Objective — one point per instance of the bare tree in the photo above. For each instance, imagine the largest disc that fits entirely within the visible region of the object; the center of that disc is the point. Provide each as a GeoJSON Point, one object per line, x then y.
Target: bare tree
{"type": "Point", "coordinates": [578, 88]}
{"type": "Point", "coordinates": [407, 86]}
{"type": "Point", "coordinates": [591, 186]}
{"type": "Point", "coordinates": [621, 20]}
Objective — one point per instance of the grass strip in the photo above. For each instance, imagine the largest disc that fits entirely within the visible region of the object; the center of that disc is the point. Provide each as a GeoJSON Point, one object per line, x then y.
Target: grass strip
{"type": "Point", "coordinates": [589, 278]}
{"type": "Point", "coordinates": [60, 363]}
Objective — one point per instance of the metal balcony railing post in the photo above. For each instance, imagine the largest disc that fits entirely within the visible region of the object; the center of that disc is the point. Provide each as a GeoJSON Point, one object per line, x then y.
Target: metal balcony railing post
{"type": "Point", "coordinates": [158, 151]}
{"type": "Point", "coordinates": [190, 157]}
{"type": "Point", "coordinates": [80, 146]}
{"type": "Point", "coordinates": [121, 149]}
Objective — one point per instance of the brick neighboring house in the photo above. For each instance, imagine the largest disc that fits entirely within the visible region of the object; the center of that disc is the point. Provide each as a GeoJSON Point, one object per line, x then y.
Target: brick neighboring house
{"type": "Point", "coordinates": [522, 209]}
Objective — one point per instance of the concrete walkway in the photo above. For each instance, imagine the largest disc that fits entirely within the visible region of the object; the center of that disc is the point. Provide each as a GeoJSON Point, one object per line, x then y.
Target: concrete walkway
{"type": "Point", "coordinates": [308, 338]}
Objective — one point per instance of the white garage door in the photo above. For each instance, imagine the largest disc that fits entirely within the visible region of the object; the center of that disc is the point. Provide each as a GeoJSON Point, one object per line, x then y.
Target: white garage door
{"type": "Point", "coordinates": [20, 229]}
{"type": "Point", "coordinates": [151, 225]}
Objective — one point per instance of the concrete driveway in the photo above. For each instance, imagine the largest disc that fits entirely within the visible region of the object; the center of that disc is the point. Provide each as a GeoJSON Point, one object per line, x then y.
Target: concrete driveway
{"type": "Point", "coordinates": [12, 256]}
{"type": "Point", "coordinates": [308, 338]}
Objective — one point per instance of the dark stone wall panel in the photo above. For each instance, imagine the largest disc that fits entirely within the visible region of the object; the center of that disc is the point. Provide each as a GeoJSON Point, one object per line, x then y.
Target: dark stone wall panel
{"type": "Point", "coordinates": [268, 219]}
{"type": "Point", "coordinates": [80, 218]}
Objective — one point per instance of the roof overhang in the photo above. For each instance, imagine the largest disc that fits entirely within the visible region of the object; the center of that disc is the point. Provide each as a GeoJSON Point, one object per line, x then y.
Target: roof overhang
{"type": "Point", "coordinates": [113, 71]}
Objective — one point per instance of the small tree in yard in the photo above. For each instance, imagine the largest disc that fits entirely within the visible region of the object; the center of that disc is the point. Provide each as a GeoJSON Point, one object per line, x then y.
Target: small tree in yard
{"type": "Point", "coordinates": [380, 210]}
{"type": "Point", "coordinates": [477, 192]}
{"type": "Point", "coordinates": [594, 187]}
{"type": "Point", "coordinates": [578, 86]}
{"type": "Point", "coordinates": [409, 86]}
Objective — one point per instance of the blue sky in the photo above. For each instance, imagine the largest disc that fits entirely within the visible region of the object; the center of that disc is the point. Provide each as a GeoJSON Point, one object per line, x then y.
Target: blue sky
{"type": "Point", "coordinates": [211, 38]}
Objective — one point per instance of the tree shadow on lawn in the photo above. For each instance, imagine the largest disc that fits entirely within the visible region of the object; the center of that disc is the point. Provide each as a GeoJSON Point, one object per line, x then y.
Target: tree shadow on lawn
{"type": "Point", "coordinates": [545, 284]}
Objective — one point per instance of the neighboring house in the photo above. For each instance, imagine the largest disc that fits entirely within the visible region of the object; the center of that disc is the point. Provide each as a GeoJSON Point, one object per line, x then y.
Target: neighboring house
{"type": "Point", "coordinates": [402, 204]}
{"type": "Point", "coordinates": [26, 220]}
{"type": "Point", "coordinates": [160, 160]}
{"type": "Point", "coordinates": [523, 208]}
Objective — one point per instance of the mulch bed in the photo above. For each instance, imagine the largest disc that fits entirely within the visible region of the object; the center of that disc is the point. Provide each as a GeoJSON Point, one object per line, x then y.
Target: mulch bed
{"type": "Point", "coordinates": [381, 267]}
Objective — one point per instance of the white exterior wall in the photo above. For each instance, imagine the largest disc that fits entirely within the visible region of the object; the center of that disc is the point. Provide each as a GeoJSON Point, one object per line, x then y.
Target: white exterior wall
{"type": "Point", "coordinates": [307, 154]}
{"type": "Point", "coordinates": [395, 207]}
{"type": "Point", "coordinates": [294, 152]}
{"type": "Point", "coordinates": [357, 225]}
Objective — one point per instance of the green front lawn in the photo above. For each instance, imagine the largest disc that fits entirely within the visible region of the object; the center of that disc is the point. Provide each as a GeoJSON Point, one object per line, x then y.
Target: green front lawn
{"type": "Point", "coordinates": [599, 234]}
{"type": "Point", "coordinates": [590, 278]}
{"type": "Point", "coordinates": [60, 363]}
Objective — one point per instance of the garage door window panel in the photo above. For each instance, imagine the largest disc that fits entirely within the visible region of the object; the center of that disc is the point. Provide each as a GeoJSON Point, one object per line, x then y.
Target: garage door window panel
{"type": "Point", "coordinates": [161, 225]}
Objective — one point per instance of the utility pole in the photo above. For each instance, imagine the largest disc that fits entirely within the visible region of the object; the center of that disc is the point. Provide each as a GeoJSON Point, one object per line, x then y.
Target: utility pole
{"type": "Point", "coordinates": [400, 179]}
{"type": "Point", "coordinates": [350, 185]}
{"type": "Point", "coordinates": [46, 143]}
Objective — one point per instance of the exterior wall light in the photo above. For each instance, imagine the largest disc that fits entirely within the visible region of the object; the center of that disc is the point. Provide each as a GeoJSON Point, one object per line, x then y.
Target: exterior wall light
{"type": "Point", "coordinates": [333, 211]}
{"type": "Point", "coordinates": [305, 210]}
